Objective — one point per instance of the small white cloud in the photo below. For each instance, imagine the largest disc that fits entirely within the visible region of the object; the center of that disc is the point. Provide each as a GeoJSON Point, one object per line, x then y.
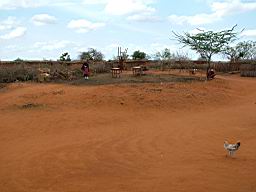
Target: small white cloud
{"type": "Point", "coordinates": [15, 33]}
{"type": "Point", "coordinates": [143, 18]}
{"type": "Point", "coordinates": [230, 7]}
{"type": "Point", "coordinates": [43, 19]}
{"type": "Point", "coordinates": [10, 29]}
{"type": "Point", "coordinates": [126, 7]}
{"type": "Point", "coordinates": [94, 2]}
{"type": "Point", "coordinates": [23, 4]}
{"type": "Point", "coordinates": [8, 24]}
{"type": "Point", "coordinates": [111, 49]}
{"type": "Point", "coordinates": [249, 33]}
{"type": "Point", "coordinates": [52, 45]}
{"type": "Point", "coordinates": [12, 47]}
{"type": "Point", "coordinates": [14, 4]}
{"type": "Point", "coordinates": [218, 11]}
{"type": "Point", "coordinates": [135, 10]}
{"type": "Point", "coordinates": [199, 19]}
{"type": "Point", "coordinates": [83, 26]}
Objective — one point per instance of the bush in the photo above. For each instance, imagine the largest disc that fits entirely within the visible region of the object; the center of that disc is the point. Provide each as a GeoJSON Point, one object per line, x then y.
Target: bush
{"type": "Point", "coordinates": [17, 73]}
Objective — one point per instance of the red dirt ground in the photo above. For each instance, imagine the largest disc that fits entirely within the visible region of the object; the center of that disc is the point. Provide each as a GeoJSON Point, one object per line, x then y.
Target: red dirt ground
{"type": "Point", "coordinates": [128, 138]}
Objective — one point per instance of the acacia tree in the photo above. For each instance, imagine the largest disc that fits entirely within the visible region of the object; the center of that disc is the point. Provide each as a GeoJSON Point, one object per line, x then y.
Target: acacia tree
{"type": "Point", "coordinates": [207, 43]}
{"type": "Point", "coordinates": [65, 57]}
{"type": "Point", "coordinates": [231, 53]}
{"type": "Point", "coordinates": [138, 55]}
{"type": "Point", "coordinates": [91, 54]}
{"type": "Point", "coordinates": [163, 55]}
{"type": "Point", "coordinates": [245, 50]}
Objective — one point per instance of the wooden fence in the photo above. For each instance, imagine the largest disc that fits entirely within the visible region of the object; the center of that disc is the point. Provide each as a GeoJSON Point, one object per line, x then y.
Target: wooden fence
{"type": "Point", "coordinates": [248, 70]}
{"type": "Point", "coordinates": [31, 70]}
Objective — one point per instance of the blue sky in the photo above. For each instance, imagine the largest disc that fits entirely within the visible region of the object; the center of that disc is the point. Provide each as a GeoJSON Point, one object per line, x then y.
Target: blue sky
{"type": "Point", "coordinates": [44, 29]}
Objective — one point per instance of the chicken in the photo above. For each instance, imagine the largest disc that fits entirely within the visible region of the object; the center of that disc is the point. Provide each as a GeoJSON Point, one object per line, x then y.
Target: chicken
{"type": "Point", "coordinates": [231, 148]}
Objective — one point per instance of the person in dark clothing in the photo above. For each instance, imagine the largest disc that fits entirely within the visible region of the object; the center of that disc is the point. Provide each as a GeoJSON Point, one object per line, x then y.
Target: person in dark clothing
{"type": "Point", "coordinates": [211, 74]}
{"type": "Point", "coordinates": [86, 70]}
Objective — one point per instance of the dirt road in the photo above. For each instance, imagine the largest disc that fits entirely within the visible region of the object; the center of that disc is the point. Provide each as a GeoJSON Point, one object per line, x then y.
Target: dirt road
{"type": "Point", "coordinates": [134, 138]}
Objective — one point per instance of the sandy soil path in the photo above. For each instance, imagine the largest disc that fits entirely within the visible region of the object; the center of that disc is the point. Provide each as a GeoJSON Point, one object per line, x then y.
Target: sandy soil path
{"type": "Point", "coordinates": [136, 138]}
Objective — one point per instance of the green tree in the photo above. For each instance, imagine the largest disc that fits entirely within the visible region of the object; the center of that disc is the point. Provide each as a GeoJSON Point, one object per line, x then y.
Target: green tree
{"type": "Point", "coordinates": [18, 60]}
{"type": "Point", "coordinates": [245, 50]}
{"type": "Point", "coordinates": [208, 43]}
{"type": "Point", "coordinates": [163, 55]}
{"type": "Point", "coordinates": [231, 53]}
{"type": "Point", "coordinates": [91, 54]}
{"type": "Point", "coordinates": [167, 55]}
{"type": "Point", "coordinates": [65, 57]}
{"type": "Point", "coordinates": [138, 55]}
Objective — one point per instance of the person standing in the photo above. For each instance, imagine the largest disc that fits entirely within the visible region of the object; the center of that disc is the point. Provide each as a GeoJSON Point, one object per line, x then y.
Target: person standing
{"type": "Point", "coordinates": [86, 70]}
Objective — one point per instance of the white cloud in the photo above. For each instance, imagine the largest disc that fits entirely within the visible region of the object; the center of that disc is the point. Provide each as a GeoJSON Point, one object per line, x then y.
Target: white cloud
{"type": "Point", "coordinates": [249, 33]}
{"type": "Point", "coordinates": [123, 7]}
{"type": "Point", "coordinates": [111, 50]}
{"type": "Point", "coordinates": [219, 10]}
{"type": "Point", "coordinates": [14, 4]}
{"type": "Point", "coordinates": [83, 26]}
{"type": "Point", "coordinates": [53, 45]}
{"type": "Point", "coordinates": [8, 24]}
{"type": "Point", "coordinates": [43, 19]}
{"type": "Point", "coordinates": [135, 10]}
{"type": "Point", "coordinates": [199, 19]}
{"type": "Point", "coordinates": [10, 29]}
{"type": "Point", "coordinates": [94, 2]}
{"type": "Point", "coordinates": [15, 33]}
{"type": "Point", "coordinates": [12, 47]}
{"type": "Point", "coordinates": [230, 7]}
{"type": "Point", "coordinates": [143, 18]}
{"type": "Point", "coordinates": [126, 7]}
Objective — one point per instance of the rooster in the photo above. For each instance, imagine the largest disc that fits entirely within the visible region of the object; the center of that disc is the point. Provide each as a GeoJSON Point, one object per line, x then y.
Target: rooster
{"type": "Point", "coordinates": [231, 148]}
